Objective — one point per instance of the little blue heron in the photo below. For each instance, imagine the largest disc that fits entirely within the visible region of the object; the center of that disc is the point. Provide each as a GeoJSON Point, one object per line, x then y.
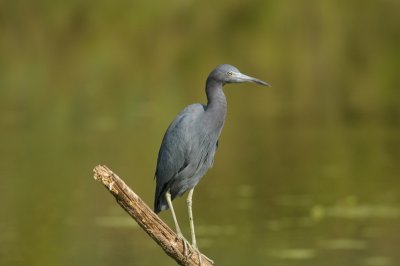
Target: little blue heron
{"type": "Point", "coordinates": [190, 142]}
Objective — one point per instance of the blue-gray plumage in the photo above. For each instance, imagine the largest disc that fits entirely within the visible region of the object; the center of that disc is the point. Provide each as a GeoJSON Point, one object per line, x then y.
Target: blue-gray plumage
{"type": "Point", "coordinates": [190, 142]}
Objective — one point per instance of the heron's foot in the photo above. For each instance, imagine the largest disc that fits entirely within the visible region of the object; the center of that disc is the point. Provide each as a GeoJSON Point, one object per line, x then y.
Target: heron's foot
{"type": "Point", "coordinates": [201, 255]}
{"type": "Point", "coordinates": [185, 245]}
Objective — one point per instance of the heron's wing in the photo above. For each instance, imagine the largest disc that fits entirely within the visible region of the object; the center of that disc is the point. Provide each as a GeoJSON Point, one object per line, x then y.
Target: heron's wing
{"type": "Point", "coordinates": [176, 141]}
{"type": "Point", "coordinates": [175, 146]}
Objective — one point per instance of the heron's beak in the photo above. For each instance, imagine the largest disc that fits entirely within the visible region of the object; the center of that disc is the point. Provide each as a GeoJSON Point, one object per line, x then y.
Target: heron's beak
{"type": "Point", "coordinates": [244, 78]}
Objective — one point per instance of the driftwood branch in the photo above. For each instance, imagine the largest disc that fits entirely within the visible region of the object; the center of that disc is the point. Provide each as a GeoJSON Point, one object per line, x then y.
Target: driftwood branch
{"type": "Point", "coordinates": [166, 238]}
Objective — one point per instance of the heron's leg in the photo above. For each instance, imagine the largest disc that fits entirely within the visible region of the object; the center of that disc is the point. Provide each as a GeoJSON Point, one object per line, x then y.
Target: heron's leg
{"type": "Point", "coordinates": [178, 229]}
{"type": "Point", "coordinates": [169, 201]}
{"type": "Point", "coordinates": [189, 205]}
{"type": "Point", "coordinates": [194, 243]}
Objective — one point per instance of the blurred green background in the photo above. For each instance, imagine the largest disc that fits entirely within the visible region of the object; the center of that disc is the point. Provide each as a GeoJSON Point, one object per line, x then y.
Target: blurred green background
{"type": "Point", "coordinates": [307, 172]}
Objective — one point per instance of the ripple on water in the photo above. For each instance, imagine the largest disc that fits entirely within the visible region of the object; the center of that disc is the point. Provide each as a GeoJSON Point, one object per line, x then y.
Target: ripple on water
{"type": "Point", "coordinates": [378, 261]}
{"type": "Point", "coordinates": [355, 212]}
{"type": "Point", "coordinates": [292, 253]}
{"type": "Point", "coordinates": [344, 244]}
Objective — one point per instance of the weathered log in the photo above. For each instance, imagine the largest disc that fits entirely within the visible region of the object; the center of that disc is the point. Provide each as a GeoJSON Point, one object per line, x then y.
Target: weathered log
{"type": "Point", "coordinates": [166, 238]}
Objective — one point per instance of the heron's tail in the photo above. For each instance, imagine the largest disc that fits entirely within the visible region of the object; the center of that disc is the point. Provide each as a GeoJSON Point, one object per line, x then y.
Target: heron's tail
{"type": "Point", "coordinates": [160, 202]}
{"type": "Point", "coordinates": [160, 205]}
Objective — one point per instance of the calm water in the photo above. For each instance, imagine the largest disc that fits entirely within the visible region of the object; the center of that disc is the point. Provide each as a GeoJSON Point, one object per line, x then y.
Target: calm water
{"type": "Point", "coordinates": [307, 172]}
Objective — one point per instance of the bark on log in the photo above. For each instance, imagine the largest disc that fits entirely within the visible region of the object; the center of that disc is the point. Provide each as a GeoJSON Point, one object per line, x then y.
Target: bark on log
{"type": "Point", "coordinates": [166, 238]}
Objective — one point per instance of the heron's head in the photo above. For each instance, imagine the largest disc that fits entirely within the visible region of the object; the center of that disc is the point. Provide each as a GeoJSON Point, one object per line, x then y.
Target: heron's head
{"type": "Point", "coordinates": [230, 74]}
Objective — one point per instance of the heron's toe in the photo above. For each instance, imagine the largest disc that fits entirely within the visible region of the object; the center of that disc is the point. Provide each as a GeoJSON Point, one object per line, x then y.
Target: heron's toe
{"type": "Point", "coordinates": [185, 244]}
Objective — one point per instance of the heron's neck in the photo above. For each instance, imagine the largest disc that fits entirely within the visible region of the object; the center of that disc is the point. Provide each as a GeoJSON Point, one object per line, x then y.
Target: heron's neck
{"type": "Point", "coordinates": [216, 105]}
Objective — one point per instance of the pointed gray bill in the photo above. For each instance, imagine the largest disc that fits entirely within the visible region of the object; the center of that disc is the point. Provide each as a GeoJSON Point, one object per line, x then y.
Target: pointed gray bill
{"type": "Point", "coordinates": [244, 78]}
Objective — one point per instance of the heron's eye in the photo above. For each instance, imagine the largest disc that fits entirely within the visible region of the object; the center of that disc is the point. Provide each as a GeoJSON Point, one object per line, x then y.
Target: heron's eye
{"type": "Point", "coordinates": [230, 73]}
